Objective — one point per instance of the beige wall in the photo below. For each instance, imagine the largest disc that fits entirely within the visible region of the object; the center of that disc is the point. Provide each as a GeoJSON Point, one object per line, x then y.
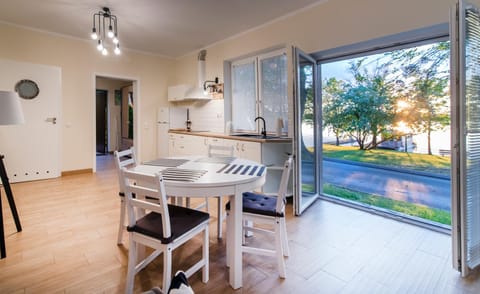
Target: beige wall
{"type": "Point", "coordinates": [328, 25]}
{"type": "Point", "coordinates": [80, 62]}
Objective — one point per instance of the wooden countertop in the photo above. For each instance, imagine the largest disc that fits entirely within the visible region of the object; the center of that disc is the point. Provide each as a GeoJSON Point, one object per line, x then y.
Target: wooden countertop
{"type": "Point", "coordinates": [223, 136]}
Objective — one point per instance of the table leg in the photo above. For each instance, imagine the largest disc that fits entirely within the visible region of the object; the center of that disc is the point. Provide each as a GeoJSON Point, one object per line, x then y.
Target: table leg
{"type": "Point", "coordinates": [234, 240]}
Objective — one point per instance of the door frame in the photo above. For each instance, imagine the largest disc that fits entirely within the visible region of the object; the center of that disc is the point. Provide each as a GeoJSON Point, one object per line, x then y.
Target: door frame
{"type": "Point", "coordinates": [299, 206]}
{"type": "Point", "coordinates": [136, 113]}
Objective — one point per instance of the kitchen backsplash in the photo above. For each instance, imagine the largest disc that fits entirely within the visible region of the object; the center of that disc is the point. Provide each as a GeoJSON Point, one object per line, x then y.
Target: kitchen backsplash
{"type": "Point", "coordinates": [205, 116]}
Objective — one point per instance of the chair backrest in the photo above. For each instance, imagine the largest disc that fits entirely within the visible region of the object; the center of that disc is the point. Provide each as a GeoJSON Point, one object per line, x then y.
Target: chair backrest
{"type": "Point", "coordinates": [282, 190]}
{"type": "Point", "coordinates": [142, 185]}
{"type": "Point", "coordinates": [220, 151]}
{"type": "Point", "coordinates": [124, 158]}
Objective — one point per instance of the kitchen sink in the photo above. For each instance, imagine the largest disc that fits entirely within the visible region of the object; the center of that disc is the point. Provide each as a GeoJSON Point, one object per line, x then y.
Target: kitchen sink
{"type": "Point", "coordinates": [255, 136]}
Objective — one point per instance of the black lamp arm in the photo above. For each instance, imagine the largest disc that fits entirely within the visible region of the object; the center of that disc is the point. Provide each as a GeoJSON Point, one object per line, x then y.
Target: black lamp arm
{"type": "Point", "coordinates": [205, 86]}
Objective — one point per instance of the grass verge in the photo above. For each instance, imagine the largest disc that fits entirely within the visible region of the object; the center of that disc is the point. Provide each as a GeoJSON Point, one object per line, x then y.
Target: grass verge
{"type": "Point", "coordinates": [421, 162]}
{"type": "Point", "coordinates": [418, 210]}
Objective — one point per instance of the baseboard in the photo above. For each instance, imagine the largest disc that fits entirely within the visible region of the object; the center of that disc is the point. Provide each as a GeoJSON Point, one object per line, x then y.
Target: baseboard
{"type": "Point", "coordinates": [77, 172]}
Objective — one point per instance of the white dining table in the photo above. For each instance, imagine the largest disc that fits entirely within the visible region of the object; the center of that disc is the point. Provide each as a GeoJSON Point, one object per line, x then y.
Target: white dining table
{"type": "Point", "coordinates": [208, 177]}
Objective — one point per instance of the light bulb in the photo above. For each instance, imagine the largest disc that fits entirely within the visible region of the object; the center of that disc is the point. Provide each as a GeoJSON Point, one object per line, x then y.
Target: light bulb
{"type": "Point", "coordinates": [94, 34]}
{"type": "Point", "coordinates": [105, 51]}
{"type": "Point", "coordinates": [110, 32]}
{"type": "Point", "coordinates": [100, 45]}
{"type": "Point", "coordinates": [115, 40]}
{"type": "Point", "coordinates": [117, 50]}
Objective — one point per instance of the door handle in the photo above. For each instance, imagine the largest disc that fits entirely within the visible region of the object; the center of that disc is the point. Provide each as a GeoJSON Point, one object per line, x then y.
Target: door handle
{"type": "Point", "coordinates": [53, 120]}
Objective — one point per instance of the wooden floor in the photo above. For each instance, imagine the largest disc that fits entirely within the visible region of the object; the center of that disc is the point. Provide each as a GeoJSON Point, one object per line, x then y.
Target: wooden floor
{"type": "Point", "coordinates": [68, 245]}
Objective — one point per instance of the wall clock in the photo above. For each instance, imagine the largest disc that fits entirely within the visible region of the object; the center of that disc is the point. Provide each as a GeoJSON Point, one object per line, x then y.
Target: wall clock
{"type": "Point", "coordinates": [27, 89]}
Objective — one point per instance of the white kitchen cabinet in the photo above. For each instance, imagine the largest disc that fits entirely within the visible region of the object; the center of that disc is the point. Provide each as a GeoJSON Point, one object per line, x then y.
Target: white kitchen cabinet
{"type": "Point", "coordinates": [171, 144]}
{"type": "Point", "coordinates": [247, 150]}
{"type": "Point", "coordinates": [184, 145]}
{"type": "Point", "coordinates": [213, 141]}
{"type": "Point", "coordinates": [181, 145]}
{"type": "Point", "coordinates": [178, 93]}
{"type": "Point", "coordinates": [274, 156]}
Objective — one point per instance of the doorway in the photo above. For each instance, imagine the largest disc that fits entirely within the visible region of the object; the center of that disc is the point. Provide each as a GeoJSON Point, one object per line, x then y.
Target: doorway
{"type": "Point", "coordinates": [114, 121]}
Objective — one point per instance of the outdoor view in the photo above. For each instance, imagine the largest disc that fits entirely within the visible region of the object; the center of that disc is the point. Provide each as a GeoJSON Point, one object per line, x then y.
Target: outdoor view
{"type": "Point", "coordinates": [386, 131]}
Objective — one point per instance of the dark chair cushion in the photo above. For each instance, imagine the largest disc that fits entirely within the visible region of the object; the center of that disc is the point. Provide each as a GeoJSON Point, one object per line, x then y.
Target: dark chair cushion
{"type": "Point", "coordinates": [182, 220]}
{"type": "Point", "coordinates": [259, 204]}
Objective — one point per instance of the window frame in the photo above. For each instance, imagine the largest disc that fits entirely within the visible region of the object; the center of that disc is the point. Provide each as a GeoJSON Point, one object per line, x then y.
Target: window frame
{"type": "Point", "coordinates": [259, 108]}
{"type": "Point", "coordinates": [393, 42]}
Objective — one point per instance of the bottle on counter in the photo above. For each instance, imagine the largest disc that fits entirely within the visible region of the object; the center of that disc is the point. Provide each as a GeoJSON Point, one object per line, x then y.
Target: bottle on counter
{"type": "Point", "coordinates": [188, 122]}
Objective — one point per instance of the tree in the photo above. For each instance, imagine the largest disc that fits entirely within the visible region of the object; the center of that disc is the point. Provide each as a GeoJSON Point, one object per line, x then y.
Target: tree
{"type": "Point", "coordinates": [363, 107]}
{"type": "Point", "coordinates": [426, 73]}
{"type": "Point", "coordinates": [333, 107]}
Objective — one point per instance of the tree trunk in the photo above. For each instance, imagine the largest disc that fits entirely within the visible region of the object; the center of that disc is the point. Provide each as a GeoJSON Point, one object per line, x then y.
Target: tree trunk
{"type": "Point", "coordinates": [429, 143]}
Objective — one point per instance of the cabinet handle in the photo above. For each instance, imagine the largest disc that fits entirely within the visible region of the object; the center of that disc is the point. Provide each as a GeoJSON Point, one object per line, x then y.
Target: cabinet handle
{"type": "Point", "coordinates": [236, 147]}
{"type": "Point", "coordinates": [243, 147]}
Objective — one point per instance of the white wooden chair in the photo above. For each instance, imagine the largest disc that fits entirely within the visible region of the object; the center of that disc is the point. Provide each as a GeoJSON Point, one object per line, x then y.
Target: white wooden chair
{"type": "Point", "coordinates": [219, 151]}
{"type": "Point", "coordinates": [268, 210]}
{"type": "Point", "coordinates": [160, 226]}
{"type": "Point", "coordinates": [125, 158]}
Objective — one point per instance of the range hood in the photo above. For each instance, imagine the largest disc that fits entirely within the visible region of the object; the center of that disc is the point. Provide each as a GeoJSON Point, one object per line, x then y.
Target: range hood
{"type": "Point", "coordinates": [188, 92]}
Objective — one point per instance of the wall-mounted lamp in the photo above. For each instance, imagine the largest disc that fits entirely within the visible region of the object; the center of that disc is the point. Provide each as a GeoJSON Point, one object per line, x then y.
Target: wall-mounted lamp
{"type": "Point", "coordinates": [212, 85]}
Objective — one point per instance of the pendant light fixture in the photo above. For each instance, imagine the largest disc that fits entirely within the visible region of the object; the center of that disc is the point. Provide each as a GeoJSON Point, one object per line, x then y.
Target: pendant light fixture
{"type": "Point", "coordinates": [105, 28]}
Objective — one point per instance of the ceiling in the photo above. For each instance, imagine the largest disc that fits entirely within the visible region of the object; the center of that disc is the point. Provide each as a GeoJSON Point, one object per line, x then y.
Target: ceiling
{"type": "Point", "coordinates": [170, 28]}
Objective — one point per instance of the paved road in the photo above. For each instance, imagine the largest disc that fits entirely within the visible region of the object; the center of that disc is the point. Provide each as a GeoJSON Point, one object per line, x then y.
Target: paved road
{"type": "Point", "coordinates": [429, 191]}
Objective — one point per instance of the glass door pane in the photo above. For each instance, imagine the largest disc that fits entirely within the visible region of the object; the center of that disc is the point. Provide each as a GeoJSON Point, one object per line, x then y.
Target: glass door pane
{"type": "Point", "coordinates": [466, 182]}
{"type": "Point", "coordinates": [273, 90]}
{"type": "Point", "coordinates": [244, 95]}
{"type": "Point", "coordinates": [307, 122]}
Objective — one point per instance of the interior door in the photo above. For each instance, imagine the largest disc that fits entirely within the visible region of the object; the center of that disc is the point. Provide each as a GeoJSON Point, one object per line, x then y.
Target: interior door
{"type": "Point", "coordinates": [307, 142]}
{"type": "Point", "coordinates": [127, 117]}
{"type": "Point", "coordinates": [101, 121]}
{"type": "Point", "coordinates": [32, 150]}
{"type": "Point", "coordinates": [465, 89]}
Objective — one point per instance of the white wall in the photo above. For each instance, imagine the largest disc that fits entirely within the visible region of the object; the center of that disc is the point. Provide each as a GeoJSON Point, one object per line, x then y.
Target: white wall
{"type": "Point", "coordinates": [80, 62]}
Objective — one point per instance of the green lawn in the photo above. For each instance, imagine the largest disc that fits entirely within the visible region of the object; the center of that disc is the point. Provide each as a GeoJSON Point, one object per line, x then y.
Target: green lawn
{"type": "Point", "coordinates": [425, 212]}
{"type": "Point", "coordinates": [421, 162]}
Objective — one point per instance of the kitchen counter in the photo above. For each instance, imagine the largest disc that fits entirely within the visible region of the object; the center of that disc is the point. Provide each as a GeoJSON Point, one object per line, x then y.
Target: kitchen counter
{"type": "Point", "coordinates": [230, 137]}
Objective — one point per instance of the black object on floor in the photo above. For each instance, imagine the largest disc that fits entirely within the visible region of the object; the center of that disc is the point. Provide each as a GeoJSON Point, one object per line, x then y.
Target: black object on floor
{"type": "Point", "coordinates": [13, 208]}
{"type": "Point", "coordinates": [179, 284]}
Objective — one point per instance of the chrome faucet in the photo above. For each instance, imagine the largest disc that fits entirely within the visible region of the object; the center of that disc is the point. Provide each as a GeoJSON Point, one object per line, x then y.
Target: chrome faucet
{"type": "Point", "coordinates": [264, 129]}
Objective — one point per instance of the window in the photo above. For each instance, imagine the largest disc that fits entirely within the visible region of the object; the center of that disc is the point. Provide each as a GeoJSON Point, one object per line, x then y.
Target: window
{"type": "Point", "coordinates": [259, 88]}
{"type": "Point", "coordinates": [386, 130]}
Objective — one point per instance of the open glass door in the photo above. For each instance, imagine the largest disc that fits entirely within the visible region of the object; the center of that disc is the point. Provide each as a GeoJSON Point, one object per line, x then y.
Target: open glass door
{"type": "Point", "coordinates": [465, 89]}
{"type": "Point", "coordinates": [307, 143]}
